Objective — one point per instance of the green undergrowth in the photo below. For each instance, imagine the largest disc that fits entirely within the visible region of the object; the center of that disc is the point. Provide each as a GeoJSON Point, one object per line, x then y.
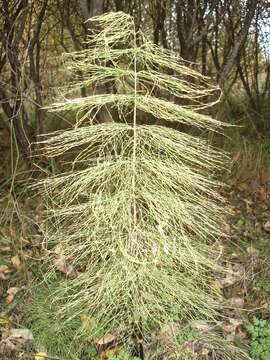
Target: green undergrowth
{"type": "Point", "coordinates": [250, 159]}
{"type": "Point", "coordinates": [259, 331]}
{"type": "Point", "coordinates": [262, 283]}
{"type": "Point", "coordinates": [235, 109]}
{"type": "Point", "coordinates": [253, 240]}
{"type": "Point", "coordinates": [247, 141]}
{"type": "Point", "coordinates": [43, 318]}
{"type": "Point", "coordinates": [123, 355]}
{"type": "Point", "coordinates": [59, 337]}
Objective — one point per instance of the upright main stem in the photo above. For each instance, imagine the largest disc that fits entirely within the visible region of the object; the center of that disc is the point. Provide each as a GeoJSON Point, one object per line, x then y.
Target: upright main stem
{"type": "Point", "coordinates": [138, 331]}
{"type": "Point", "coordinates": [134, 145]}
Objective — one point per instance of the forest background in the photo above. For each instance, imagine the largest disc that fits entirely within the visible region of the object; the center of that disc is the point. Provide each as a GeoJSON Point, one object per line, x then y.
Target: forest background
{"type": "Point", "coordinates": [227, 41]}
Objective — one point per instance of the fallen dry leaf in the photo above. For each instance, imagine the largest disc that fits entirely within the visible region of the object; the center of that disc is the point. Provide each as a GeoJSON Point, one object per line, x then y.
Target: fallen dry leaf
{"type": "Point", "coordinates": [263, 193]}
{"type": "Point", "coordinates": [243, 187]}
{"type": "Point", "coordinates": [237, 302]}
{"type": "Point", "coordinates": [24, 334]}
{"type": "Point", "coordinates": [248, 208]}
{"type": "Point", "coordinates": [13, 290]}
{"type": "Point", "coordinates": [106, 339]}
{"type": "Point", "coordinates": [267, 226]}
{"type": "Point", "coordinates": [5, 249]}
{"type": "Point", "coordinates": [9, 298]}
{"type": "Point", "coordinates": [61, 264]}
{"type": "Point", "coordinates": [15, 260]}
{"type": "Point", "coordinates": [23, 241]}
{"type": "Point", "coordinates": [3, 268]}
{"type": "Point", "coordinates": [41, 355]}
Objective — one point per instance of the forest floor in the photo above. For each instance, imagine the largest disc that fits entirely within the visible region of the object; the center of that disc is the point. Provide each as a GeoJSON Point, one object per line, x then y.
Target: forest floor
{"type": "Point", "coordinates": [245, 291]}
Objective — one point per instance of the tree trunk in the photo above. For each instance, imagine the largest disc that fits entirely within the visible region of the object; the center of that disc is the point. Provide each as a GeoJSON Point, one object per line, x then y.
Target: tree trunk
{"type": "Point", "coordinates": [251, 6]}
{"type": "Point", "coordinates": [89, 9]}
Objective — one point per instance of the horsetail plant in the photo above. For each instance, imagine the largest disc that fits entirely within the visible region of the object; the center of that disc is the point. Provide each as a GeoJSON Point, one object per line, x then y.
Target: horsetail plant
{"type": "Point", "coordinates": [136, 215]}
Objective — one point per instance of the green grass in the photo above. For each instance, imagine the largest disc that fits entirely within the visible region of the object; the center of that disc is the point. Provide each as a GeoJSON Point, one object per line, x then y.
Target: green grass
{"type": "Point", "coordinates": [247, 141]}
{"type": "Point", "coordinates": [40, 316]}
